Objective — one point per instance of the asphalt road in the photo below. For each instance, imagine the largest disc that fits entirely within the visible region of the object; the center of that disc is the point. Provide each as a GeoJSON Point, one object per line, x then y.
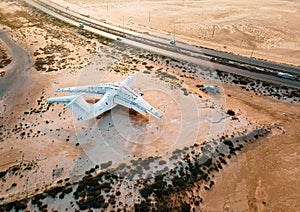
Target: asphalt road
{"type": "Point", "coordinates": [173, 52]}
{"type": "Point", "coordinates": [182, 46]}
{"type": "Point", "coordinates": [18, 68]}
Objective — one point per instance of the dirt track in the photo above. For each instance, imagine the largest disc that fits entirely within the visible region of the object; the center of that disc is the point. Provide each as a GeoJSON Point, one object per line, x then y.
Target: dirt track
{"type": "Point", "coordinates": [18, 69]}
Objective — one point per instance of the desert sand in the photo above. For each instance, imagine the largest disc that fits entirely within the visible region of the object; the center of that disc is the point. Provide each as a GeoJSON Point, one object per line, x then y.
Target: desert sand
{"type": "Point", "coordinates": [268, 28]}
{"type": "Point", "coordinates": [47, 138]}
{"type": "Point", "coordinates": [266, 176]}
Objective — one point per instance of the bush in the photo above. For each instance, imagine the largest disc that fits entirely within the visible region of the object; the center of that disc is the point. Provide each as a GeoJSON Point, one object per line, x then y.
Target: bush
{"type": "Point", "coordinates": [106, 165]}
{"type": "Point", "coordinates": [230, 112]}
{"type": "Point", "coordinates": [162, 162]}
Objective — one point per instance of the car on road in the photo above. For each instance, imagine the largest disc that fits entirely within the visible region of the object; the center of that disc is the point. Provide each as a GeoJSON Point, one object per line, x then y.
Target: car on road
{"type": "Point", "coordinates": [285, 75]}
{"type": "Point", "coordinates": [172, 42]}
{"type": "Point", "coordinates": [81, 25]}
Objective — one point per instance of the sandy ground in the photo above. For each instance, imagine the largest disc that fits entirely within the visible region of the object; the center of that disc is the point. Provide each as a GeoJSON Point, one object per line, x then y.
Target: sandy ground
{"type": "Point", "coordinates": [189, 120]}
{"type": "Point", "coordinates": [267, 27]}
{"type": "Point", "coordinates": [61, 148]}
{"type": "Point", "coordinates": [42, 143]}
{"type": "Point", "coordinates": [49, 137]}
{"type": "Point", "coordinates": [266, 176]}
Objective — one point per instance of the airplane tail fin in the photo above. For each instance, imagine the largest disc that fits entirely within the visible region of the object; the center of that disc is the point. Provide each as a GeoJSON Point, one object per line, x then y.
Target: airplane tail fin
{"type": "Point", "coordinates": [76, 104]}
{"type": "Point", "coordinates": [80, 107]}
{"type": "Point", "coordinates": [129, 81]}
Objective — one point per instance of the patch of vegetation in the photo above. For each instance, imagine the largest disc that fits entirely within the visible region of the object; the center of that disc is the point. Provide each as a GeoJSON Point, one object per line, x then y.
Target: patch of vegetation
{"type": "Point", "coordinates": [101, 190]}
{"type": "Point", "coordinates": [164, 75]}
{"type": "Point", "coordinates": [262, 88]}
{"type": "Point", "coordinates": [146, 72]}
{"type": "Point", "coordinates": [194, 169]}
{"type": "Point", "coordinates": [15, 206]}
{"type": "Point", "coordinates": [149, 67]}
{"type": "Point", "coordinates": [41, 63]}
{"type": "Point", "coordinates": [90, 35]}
{"type": "Point", "coordinates": [106, 165]}
{"type": "Point", "coordinates": [42, 107]}
{"type": "Point", "coordinates": [230, 112]}
{"type": "Point", "coordinates": [185, 91]}
{"type": "Point", "coordinates": [88, 193]}
{"type": "Point", "coordinates": [4, 59]}
{"type": "Point", "coordinates": [53, 191]}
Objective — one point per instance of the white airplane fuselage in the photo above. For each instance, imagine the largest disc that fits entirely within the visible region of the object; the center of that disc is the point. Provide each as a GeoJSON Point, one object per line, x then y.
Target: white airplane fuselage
{"type": "Point", "coordinates": [110, 95]}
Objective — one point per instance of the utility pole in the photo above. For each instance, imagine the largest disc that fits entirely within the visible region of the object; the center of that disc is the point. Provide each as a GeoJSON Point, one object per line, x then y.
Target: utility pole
{"type": "Point", "coordinates": [251, 53]}
{"type": "Point", "coordinates": [123, 26]}
{"type": "Point", "coordinates": [174, 35]}
{"type": "Point", "coordinates": [213, 33]}
{"type": "Point", "coordinates": [149, 20]}
{"type": "Point", "coordinates": [173, 42]}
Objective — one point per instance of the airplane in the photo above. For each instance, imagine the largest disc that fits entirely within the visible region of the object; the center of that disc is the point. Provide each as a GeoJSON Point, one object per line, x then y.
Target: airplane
{"type": "Point", "coordinates": [110, 95]}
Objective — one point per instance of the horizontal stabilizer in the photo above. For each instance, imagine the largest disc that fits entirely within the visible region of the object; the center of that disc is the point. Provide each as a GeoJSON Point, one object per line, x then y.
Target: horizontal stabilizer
{"type": "Point", "coordinates": [129, 81]}
{"type": "Point", "coordinates": [63, 99]}
{"type": "Point", "coordinates": [76, 104]}
{"type": "Point", "coordinates": [79, 107]}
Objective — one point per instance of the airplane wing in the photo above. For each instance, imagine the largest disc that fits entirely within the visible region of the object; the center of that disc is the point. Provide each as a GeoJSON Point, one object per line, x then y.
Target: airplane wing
{"type": "Point", "coordinates": [141, 103]}
{"type": "Point", "coordinates": [87, 91]}
{"type": "Point", "coordinates": [111, 94]}
{"type": "Point", "coordinates": [76, 103]}
{"type": "Point", "coordinates": [129, 81]}
{"type": "Point", "coordinates": [83, 110]}
{"type": "Point", "coordinates": [138, 104]}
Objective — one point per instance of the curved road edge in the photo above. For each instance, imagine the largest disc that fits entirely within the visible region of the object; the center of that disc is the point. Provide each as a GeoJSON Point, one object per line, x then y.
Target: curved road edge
{"type": "Point", "coordinates": [173, 54]}
{"type": "Point", "coordinates": [21, 63]}
{"type": "Point", "coordinates": [164, 40]}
